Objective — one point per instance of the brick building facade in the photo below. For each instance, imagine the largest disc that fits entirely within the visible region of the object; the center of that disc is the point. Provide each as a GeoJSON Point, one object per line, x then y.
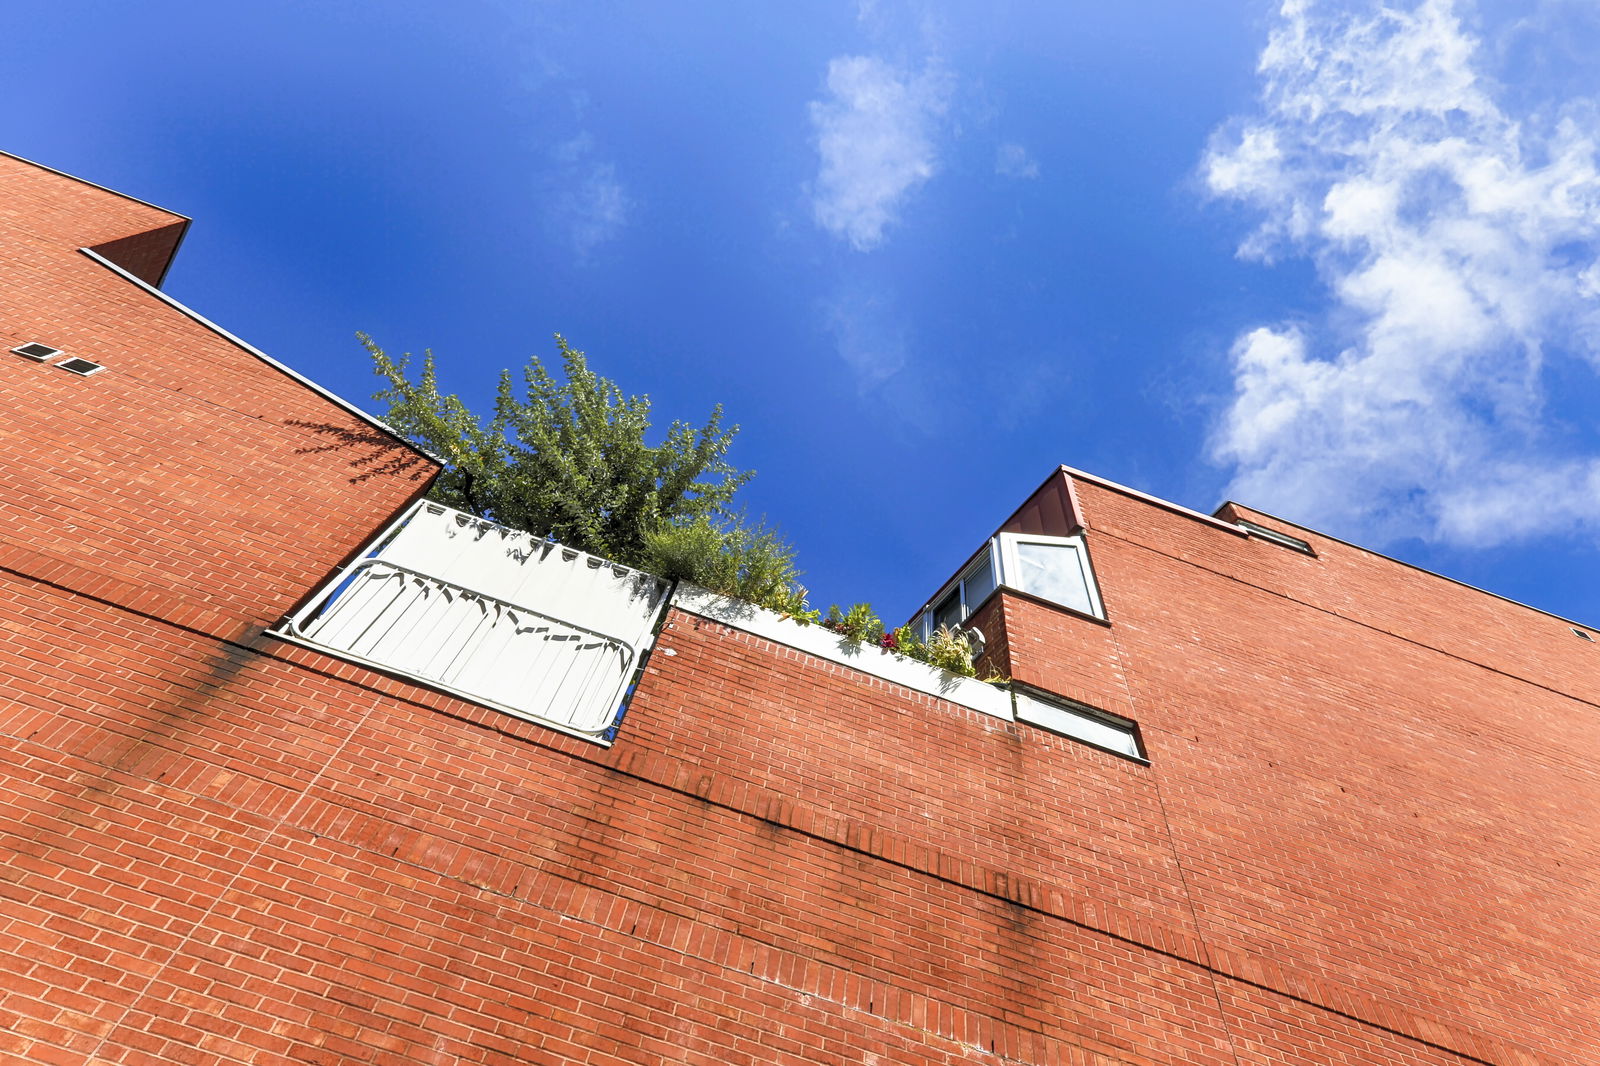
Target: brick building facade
{"type": "Point", "coordinates": [1355, 822]}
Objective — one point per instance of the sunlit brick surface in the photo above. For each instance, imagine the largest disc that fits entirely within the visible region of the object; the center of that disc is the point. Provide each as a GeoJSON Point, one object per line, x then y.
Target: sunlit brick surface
{"type": "Point", "coordinates": [188, 463]}
{"type": "Point", "coordinates": [1366, 833]}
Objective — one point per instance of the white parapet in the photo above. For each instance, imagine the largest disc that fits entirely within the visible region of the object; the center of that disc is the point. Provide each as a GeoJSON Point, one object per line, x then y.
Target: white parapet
{"type": "Point", "coordinates": [824, 644]}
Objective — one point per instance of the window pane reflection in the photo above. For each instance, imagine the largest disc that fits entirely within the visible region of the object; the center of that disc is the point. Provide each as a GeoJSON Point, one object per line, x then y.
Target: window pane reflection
{"type": "Point", "coordinates": [948, 612]}
{"type": "Point", "coordinates": [1055, 572]}
{"type": "Point", "coordinates": [979, 583]}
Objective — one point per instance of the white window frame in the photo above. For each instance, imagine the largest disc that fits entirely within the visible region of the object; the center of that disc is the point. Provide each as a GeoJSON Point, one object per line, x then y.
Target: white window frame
{"type": "Point", "coordinates": [498, 616]}
{"type": "Point", "coordinates": [1283, 540]}
{"type": "Point", "coordinates": [47, 356]}
{"type": "Point", "coordinates": [925, 625]}
{"type": "Point", "coordinates": [1011, 567]}
{"type": "Point", "coordinates": [1001, 555]}
{"type": "Point", "coordinates": [1085, 724]}
{"type": "Point", "coordinates": [80, 366]}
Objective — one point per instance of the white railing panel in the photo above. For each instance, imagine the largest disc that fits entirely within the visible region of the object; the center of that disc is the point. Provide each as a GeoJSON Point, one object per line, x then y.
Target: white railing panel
{"type": "Point", "coordinates": [494, 614]}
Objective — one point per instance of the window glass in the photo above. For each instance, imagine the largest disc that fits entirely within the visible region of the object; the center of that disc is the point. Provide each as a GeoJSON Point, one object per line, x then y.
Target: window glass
{"type": "Point", "coordinates": [1102, 731]}
{"type": "Point", "coordinates": [979, 582]}
{"type": "Point", "coordinates": [948, 610]}
{"type": "Point", "coordinates": [1055, 572]}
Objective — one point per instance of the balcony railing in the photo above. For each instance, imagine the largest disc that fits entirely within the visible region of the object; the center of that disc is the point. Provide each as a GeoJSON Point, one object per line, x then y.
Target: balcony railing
{"type": "Point", "coordinates": [498, 616]}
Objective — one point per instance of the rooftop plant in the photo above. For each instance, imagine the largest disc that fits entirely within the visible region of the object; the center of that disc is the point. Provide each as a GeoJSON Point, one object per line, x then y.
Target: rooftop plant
{"type": "Point", "coordinates": [949, 649]}
{"type": "Point", "coordinates": [568, 458]}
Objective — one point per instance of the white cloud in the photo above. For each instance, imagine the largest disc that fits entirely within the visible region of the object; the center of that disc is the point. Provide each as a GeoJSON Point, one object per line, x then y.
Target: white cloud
{"type": "Point", "coordinates": [875, 139]}
{"type": "Point", "coordinates": [596, 208]}
{"type": "Point", "coordinates": [1460, 242]}
{"type": "Point", "coordinates": [590, 205]}
{"type": "Point", "coordinates": [868, 334]}
{"type": "Point", "coordinates": [1013, 161]}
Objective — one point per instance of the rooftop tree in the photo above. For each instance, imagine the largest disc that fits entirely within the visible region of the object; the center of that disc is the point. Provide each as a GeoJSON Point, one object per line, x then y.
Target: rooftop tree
{"type": "Point", "coordinates": [569, 459]}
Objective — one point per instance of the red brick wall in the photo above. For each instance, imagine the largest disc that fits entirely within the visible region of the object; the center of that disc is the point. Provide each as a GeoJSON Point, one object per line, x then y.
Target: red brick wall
{"type": "Point", "coordinates": [188, 464]}
{"type": "Point", "coordinates": [1349, 792]}
{"type": "Point", "coordinates": [1064, 653]}
{"type": "Point", "coordinates": [989, 619]}
{"type": "Point", "coordinates": [1365, 834]}
{"type": "Point", "coordinates": [145, 255]}
{"type": "Point", "coordinates": [230, 853]}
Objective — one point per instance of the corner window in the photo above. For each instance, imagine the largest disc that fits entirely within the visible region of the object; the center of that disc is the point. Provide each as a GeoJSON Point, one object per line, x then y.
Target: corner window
{"type": "Point", "coordinates": [1052, 568]}
{"type": "Point", "coordinates": [962, 597]}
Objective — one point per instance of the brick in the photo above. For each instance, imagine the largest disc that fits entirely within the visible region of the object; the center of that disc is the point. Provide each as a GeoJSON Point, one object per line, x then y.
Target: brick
{"type": "Point", "coordinates": [1364, 836]}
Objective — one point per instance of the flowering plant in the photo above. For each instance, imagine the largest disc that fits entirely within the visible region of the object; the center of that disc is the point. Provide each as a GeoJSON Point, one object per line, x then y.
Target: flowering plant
{"type": "Point", "coordinates": [949, 649]}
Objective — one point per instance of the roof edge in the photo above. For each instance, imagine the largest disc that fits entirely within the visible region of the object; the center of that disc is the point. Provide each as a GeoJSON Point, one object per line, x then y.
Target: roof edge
{"type": "Point", "coordinates": [1156, 501]}
{"type": "Point", "coordinates": [1212, 520]}
{"type": "Point", "coordinates": [1410, 566]}
{"type": "Point", "coordinates": [334, 398]}
{"type": "Point", "coordinates": [177, 246]}
{"type": "Point", "coordinates": [96, 185]}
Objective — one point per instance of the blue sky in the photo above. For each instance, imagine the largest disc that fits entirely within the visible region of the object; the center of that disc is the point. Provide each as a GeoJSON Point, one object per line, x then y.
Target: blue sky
{"type": "Point", "coordinates": [1334, 260]}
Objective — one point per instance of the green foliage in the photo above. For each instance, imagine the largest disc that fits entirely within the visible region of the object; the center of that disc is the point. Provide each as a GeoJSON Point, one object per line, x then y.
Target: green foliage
{"type": "Point", "coordinates": [568, 459]}
{"type": "Point", "coordinates": [905, 638]}
{"type": "Point", "coordinates": [748, 562]}
{"type": "Point", "coordinates": [860, 622]}
{"type": "Point", "coordinates": [948, 650]}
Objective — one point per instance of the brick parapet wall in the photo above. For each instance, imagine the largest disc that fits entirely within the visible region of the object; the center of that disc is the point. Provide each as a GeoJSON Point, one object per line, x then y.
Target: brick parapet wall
{"type": "Point", "coordinates": [340, 826]}
{"type": "Point", "coordinates": [1346, 797]}
{"type": "Point", "coordinates": [188, 464]}
{"type": "Point", "coordinates": [1441, 615]}
{"type": "Point", "coordinates": [146, 255]}
{"type": "Point", "coordinates": [1347, 582]}
{"type": "Point", "coordinates": [45, 208]}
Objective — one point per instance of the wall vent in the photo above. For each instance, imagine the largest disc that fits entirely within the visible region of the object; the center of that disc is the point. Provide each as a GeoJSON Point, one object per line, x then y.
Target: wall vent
{"type": "Point", "coordinates": [42, 353]}
{"type": "Point", "coordinates": [81, 366]}
{"type": "Point", "coordinates": [1283, 540]}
